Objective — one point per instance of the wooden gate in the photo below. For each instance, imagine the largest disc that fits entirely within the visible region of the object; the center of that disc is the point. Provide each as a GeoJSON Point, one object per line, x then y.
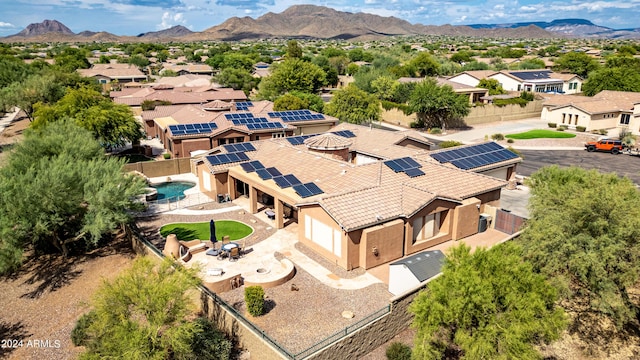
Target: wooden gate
{"type": "Point", "coordinates": [507, 222]}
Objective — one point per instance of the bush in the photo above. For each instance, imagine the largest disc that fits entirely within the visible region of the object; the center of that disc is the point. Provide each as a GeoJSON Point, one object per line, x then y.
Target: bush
{"type": "Point", "coordinates": [166, 156]}
{"type": "Point", "coordinates": [79, 334]}
{"type": "Point", "coordinates": [526, 95]}
{"type": "Point", "coordinates": [254, 298]}
{"type": "Point", "coordinates": [210, 343]}
{"type": "Point", "coordinates": [561, 128]}
{"type": "Point", "coordinates": [581, 128]}
{"type": "Point", "coordinates": [510, 141]}
{"type": "Point", "coordinates": [552, 125]}
{"type": "Point", "coordinates": [449, 143]}
{"type": "Point", "coordinates": [435, 131]}
{"type": "Point", "coordinates": [604, 131]}
{"type": "Point", "coordinates": [398, 351]}
{"type": "Point", "coordinates": [497, 137]}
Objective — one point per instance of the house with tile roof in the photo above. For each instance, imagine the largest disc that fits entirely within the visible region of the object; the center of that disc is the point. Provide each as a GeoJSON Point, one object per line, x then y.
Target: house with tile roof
{"type": "Point", "coordinates": [606, 110]}
{"type": "Point", "coordinates": [539, 81]}
{"type": "Point", "coordinates": [184, 69]}
{"type": "Point", "coordinates": [106, 73]}
{"type": "Point", "coordinates": [187, 128]}
{"type": "Point", "coordinates": [474, 93]}
{"type": "Point", "coordinates": [359, 197]}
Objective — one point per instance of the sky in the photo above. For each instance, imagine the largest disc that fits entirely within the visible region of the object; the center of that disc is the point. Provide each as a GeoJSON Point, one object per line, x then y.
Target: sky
{"type": "Point", "coordinates": [132, 17]}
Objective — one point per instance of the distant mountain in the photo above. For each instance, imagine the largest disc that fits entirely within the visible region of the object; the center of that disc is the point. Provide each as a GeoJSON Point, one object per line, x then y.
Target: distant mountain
{"type": "Point", "coordinates": [47, 26]}
{"type": "Point", "coordinates": [318, 22]}
{"type": "Point", "coordinates": [176, 31]}
{"type": "Point", "coordinates": [570, 28]}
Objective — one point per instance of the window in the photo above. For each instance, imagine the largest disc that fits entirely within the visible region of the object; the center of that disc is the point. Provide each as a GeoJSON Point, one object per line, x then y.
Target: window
{"type": "Point", "coordinates": [624, 119]}
{"type": "Point", "coordinates": [277, 135]}
{"type": "Point", "coordinates": [426, 227]}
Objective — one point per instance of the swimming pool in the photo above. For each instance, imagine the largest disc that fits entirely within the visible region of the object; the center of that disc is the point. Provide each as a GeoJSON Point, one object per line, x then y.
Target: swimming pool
{"type": "Point", "coordinates": [172, 191]}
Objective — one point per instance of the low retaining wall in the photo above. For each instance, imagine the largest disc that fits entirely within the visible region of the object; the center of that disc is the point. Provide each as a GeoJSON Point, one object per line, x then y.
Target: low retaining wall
{"type": "Point", "coordinates": [161, 167]}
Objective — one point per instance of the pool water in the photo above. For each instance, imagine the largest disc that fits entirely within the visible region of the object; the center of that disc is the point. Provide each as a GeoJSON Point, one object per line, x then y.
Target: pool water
{"type": "Point", "coordinates": [173, 191]}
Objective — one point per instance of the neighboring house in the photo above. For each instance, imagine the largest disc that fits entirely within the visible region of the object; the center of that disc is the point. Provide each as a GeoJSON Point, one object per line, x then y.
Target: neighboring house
{"type": "Point", "coordinates": [107, 73]}
{"type": "Point", "coordinates": [261, 69]}
{"type": "Point", "coordinates": [134, 97]}
{"type": "Point", "coordinates": [606, 110]}
{"type": "Point", "coordinates": [196, 69]}
{"type": "Point", "coordinates": [474, 93]}
{"type": "Point", "coordinates": [360, 197]}
{"type": "Point", "coordinates": [184, 129]}
{"type": "Point", "coordinates": [540, 81]}
{"type": "Point", "coordinates": [188, 80]}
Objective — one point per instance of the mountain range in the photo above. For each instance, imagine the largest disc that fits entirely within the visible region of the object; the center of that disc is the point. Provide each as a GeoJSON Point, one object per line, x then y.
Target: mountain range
{"type": "Point", "coordinates": [318, 22]}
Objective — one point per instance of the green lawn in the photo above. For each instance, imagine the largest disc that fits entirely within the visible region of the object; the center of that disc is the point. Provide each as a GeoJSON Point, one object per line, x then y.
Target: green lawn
{"type": "Point", "coordinates": [191, 231]}
{"type": "Point", "coordinates": [541, 134]}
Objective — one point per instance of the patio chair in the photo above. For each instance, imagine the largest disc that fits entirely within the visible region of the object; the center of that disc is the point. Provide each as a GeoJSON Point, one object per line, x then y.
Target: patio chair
{"type": "Point", "coordinates": [234, 254]}
{"type": "Point", "coordinates": [242, 246]}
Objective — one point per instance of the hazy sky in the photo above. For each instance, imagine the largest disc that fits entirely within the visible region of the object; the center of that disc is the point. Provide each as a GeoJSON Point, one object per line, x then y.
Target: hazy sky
{"type": "Point", "coordinates": [132, 17]}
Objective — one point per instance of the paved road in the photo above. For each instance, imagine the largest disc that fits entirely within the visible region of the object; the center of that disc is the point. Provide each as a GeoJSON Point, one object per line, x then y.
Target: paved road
{"type": "Point", "coordinates": [622, 164]}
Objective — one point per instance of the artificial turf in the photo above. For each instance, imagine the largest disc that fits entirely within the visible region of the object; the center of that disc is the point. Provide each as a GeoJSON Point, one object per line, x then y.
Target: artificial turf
{"type": "Point", "coordinates": [191, 231]}
{"type": "Point", "coordinates": [541, 134]}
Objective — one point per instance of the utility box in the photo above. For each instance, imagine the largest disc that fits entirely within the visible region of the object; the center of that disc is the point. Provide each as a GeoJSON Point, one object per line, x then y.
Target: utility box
{"type": "Point", "coordinates": [483, 223]}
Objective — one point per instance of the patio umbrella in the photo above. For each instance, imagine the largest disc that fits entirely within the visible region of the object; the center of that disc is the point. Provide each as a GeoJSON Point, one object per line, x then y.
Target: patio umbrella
{"type": "Point", "coordinates": [212, 233]}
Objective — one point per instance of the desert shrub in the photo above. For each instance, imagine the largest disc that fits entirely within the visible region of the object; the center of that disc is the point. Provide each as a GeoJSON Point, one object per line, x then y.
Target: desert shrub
{"type": "Point", "coordinates": [497, 137]}
{"type": "Point", "coordinates": [79, 334]}
{"type": "Point", "coordinates": [510, 141]}
{"type": "Point", "coordinates": [528, 96]}
{"type": "Point", "coordinates": [552, 125]}
{"type": "Point", "coordinates": [398, 351]}
{"type": "Point", "coordinates": [604, 131]}
{"type": "Point", "coordinates": [449, 143]}
{"type": "Point", "coordinates": [254, 298]}
{"type": "Point", "coordinates": [435, 130]}
{"type": "Point", "coordinates": [561, 128]}
{"type": "Point", "coordinates": [166, 156]}
{"type": "Point", "coordinates": [210, 343]}
{"type": "Point", "coordinates": [581, 128]}
{"type": "Point", "coordinates": [414, 125]}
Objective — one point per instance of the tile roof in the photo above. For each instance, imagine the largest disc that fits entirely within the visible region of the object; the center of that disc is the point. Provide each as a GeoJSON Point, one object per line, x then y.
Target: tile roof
{"type": "Point", "coordinates": [177, 95]}
{"type": "Point", "coordinates": [113, 71]}
{"type": "Point", "coordinates": [360, 195]}
{"type": "Point", "coordinates": [604, 101]}
{"type": "Point", "coordinates": [327, 141]}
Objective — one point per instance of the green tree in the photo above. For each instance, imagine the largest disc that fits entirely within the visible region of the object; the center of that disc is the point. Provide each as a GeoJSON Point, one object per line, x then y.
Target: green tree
{"type": "Point", "coordinates": [461, 57]}
{"type": "Point", "coordinates": [237, 61]}
{"type": "Point", "coordinates": [486, 305]}
{"type": "Point", "coordinates": [57, 189]}
{"type": "Point", "coordinates": [291, 75]}
{"type": "Point", "coordinates": [425, 64]}
{"type": "Point", "coordinates": [354, 106]}
{"type": "Point", "coordinates": [297, 100]}
{"type": "Point", "coordinates": [111, 124]}
{"type": "Point", "coordinates": [294, 51]}
{"type": "Point", "coordinates": [385, 87]}
{"type": "Point", "coordinates": [238, 79]}
{"type": "Point", "coordinates": [577, 63]}
{"type": "Point", "coordinates": [587, 242]}
{"type": "Point", "coordinates": [530, 64]}
{"type": "Point", "coordinates": [36, 88]}
{"type": "Point", "coordinates": [618, 78]}
{"type": "Point", "coordinates": [438, 106]}
{"type": "Point", "coordinates": [71, 59]}
{"type": "Point", "coordinates": [144, 314]}
{"type": "Point", "coordinates": [493, 85]}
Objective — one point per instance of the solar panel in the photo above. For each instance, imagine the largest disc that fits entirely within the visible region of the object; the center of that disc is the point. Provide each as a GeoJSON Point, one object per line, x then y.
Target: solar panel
{"type": "Point", "coordinates": [393, 165]}
{"type": "Point", "coordinates": [252, 166]}
{"type": "Point", "coordinates": [227, 158]}
{"type": "Point", "coordinates": [239, 147]}
{"type": "Point", "coordinates": [414, 172]}
{"type": "Point", "coordinates": [268, 173]}
{"type": "Point", "coordinates": [475, 156]}
{"type": "Point", "coordinates": [192, 129]}
{"type": "Point", "coordinates": [285, 181]}
{"type": "Point", "coordinates": [345, 133]}
{"type": "Point", "coordinates": [308, 189]}
{"type": "Point", "coordinates": [297, 140]}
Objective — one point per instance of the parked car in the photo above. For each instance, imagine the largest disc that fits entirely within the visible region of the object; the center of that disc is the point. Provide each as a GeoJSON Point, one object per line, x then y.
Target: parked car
{"type": "Point", "coordinates": [608, 145]}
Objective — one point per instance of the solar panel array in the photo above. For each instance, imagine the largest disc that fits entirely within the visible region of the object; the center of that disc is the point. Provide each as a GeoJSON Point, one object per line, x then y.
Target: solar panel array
{"type": "Point", "coordinates": [296, 115]}
{"type": "Point", "coordinates": [345, 133]}
{"type": "Point", "coordinates": [265, 125]}
{"type": "Point", "coordinates": [285, 181]}
{"type": "Point", "coordinates": [192, 129]}
{"type": "Point", "coordinates": [406, 165]}
{"type": "Point", "coordinates": [243, 105]}
{"type": "Point", "coordinates": [268, 173]}
{"type": "Point", "coordinates": [475, 156]}
{"type": "Point", "coordinates": [532, 75]}
{"type": "Point", "coordinates": [227, 158]}
{"type": "Point", "coordinates": [235, 116]}
{"type": "Point", "coordinates": [308, 189]}
{"type": "Point", "coordinates": [298, 140]}
{"type": "Point", "coordinates": [252, 166]}
{"type": "Point", "coordinates": [239, 147]}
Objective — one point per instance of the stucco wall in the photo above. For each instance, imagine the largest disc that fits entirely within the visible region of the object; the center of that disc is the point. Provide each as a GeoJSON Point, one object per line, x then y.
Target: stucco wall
{"type": "Point", "coordinates": [161, 168]}
{"type": "Point", "coordinates": [386, 238]}
{"type": "Point", "coordinates": [348, 250]}
{"type": "Point", "coordinates": [466, 218]}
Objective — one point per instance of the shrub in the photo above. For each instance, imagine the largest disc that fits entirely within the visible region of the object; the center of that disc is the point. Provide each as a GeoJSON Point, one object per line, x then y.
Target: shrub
{"type": "Point", "coordinates": [515, 152]}
{"type": "Point", "coordinates": [398, 351]}
{"type": "Point", "coordinates": [210, 343]}
{"type": "Point", "coordinates": [526, 95]}
{"type": "Point", "coordinates": [449, 143]}
{"type": "Point", "coordinates": [79, 334]}
{"type": "Point", "coordinates": [254, 298]}
{"type": "Point", "coordinates": [581, 128]}
{"type": "Point", "coordinates": [435, 130]}
{"type": "Point", "coordinates": [497, 137]}
{"type": "Point", "coordinates": [552, 125]}
{"type": "Point", "coordinates": [561, 128]}
{"type": "Point", "coordinates": [414, 125]}
{"type": "Point", "coordinates": [510, 141]}
{"type": "Point", "coordinates": [166, 156]}
{"type": "Point", "coordinates": [604, 131]}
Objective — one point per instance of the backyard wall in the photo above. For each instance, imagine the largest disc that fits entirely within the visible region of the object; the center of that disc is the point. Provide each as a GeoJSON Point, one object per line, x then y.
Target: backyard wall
{"type": "Point", "coordinates": [478, 115]}
{"type": "Point", "coordinates": [161, 168]}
